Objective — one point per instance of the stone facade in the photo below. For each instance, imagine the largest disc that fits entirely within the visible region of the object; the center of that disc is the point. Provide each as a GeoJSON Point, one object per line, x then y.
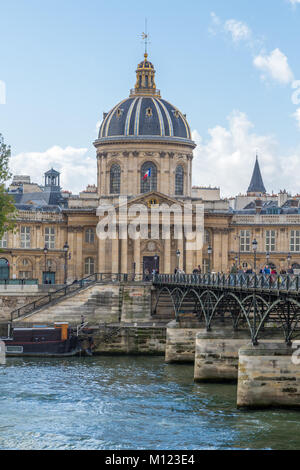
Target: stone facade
{"type": "Point", "coordinates": [144, 131]}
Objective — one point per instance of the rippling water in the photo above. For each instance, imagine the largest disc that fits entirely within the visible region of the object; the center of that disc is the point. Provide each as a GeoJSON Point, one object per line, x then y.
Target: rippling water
{"type": "Point", "coordinates": [128, 403]}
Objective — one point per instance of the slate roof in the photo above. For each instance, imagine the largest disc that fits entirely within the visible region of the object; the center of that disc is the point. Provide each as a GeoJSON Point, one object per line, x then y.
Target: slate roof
{"type": "Point", "coordinates": [256, 184]}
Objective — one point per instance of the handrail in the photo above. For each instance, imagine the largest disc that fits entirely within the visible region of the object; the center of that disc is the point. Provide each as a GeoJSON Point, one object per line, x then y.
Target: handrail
{"type": "Point", "coordinates": [269, 282]}
{"type": "Point", "coordinates": [74, 287]}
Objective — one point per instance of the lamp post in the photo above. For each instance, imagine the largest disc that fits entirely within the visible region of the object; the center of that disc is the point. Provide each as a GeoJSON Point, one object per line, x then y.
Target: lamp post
{"type": "Point", "coordinates": [155, 263]}
{"type": "Point", "coordinates": [209, 251]}
{"type": "Point", "coordinates": [178, 258]}
{"type": "Point", "coordinates": [236, 260]}
{"type": "Point", "coordinates": [254, 246]}
{"type": "Point", "coordinates": [289, 259]}
{"type": "Point", "coordinates": [237, 237]}
{"type": "Point", "coordinates": [66, 249]}
{"type": "Point", "coordinates": [268, 258]}
{"type": "Point", "coordinates": [45, 253]}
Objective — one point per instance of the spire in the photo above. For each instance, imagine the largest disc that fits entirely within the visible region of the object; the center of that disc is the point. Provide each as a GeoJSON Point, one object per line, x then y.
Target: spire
{"type": "Point", "coordinates": [257, 186]}
{"type": "Point", "coordinates": [145, 74]}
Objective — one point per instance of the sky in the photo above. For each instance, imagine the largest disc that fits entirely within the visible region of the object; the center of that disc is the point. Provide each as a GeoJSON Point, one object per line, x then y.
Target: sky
{"type": "Point", "coordinates": [231, 66]}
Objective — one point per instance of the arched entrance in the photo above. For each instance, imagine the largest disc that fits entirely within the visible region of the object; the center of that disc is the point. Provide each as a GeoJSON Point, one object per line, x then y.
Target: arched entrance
{"type": "Point", "coordinates": [4, 269]}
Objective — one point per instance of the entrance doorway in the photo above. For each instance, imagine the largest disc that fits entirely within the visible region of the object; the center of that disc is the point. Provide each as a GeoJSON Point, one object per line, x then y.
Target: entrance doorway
{"type": "Point", "coordinates": [149, 263]}
{"type": "Point", "coordinates": [48, 277]}
{"type": "Point", "coordinates": [4, 269]}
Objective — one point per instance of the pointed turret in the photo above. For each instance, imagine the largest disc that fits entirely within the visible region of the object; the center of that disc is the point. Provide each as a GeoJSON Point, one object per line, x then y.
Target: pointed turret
{"type": "Point", "coordinates": [257, 187]}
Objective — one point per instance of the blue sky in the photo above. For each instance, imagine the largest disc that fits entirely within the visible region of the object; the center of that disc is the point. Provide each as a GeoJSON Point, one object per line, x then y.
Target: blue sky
{"type": "Point", "coordinates": [229, 65]}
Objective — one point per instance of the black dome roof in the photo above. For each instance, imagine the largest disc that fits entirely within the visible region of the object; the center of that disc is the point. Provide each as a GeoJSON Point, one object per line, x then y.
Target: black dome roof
{"type": "Point", "coordinates": [140, 116]}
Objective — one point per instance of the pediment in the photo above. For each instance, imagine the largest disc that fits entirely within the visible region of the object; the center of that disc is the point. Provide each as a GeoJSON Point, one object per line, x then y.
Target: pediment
{"type": "Point", "coordinates": [152, 198]}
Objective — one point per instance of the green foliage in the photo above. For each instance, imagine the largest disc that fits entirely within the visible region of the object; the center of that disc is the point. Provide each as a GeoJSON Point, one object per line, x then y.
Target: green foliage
{"type": "Point", "coordinates": [7, 208]}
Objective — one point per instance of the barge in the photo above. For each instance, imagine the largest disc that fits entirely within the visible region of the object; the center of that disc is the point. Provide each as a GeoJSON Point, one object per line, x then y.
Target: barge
{"type": "Point", "coordinates": [45, 341]}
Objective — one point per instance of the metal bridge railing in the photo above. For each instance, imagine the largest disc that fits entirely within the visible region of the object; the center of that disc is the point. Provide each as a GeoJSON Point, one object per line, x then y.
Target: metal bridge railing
{"type": "Point", "coordinates": [270, 282]}
{"type": "Point", "coordinates": [76, 286]}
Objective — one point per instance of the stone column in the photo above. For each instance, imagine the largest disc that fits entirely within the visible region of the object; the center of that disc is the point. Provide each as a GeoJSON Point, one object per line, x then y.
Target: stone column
{"type": "Point", "coordinates": [225, 263]}
{"type": "Point", "coordinates": [101, 256]}
{"type": "Point", "coordinates": [79, 261]}
{"type": "Point", "coordinates": [137, 255]}
{"type": "Point", "coordinates": [124, 256]}
{"type": "Point", "coordinates": [217, 252]}
{"type": "Point", "coordinates": [115, 255]}
{"type": "Point", "coordinates": [189, 261]}
{"type": "Point", "coordinates": [180, 248]}
{"type": "Point", "coordinates": [167, 256]}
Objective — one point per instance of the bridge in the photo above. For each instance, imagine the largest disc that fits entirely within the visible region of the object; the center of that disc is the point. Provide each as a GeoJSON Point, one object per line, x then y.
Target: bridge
{"type": "Point", "coordinates": [241, 301]}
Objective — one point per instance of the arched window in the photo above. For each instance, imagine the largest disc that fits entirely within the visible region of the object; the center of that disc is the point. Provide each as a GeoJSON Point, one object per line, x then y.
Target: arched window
{"type": "Point", "coordinates": [179, 181]}
{"type": "Point", "coordinates": [89, 266]}
{"type": "Point", "coordinates": [4, 268]}
{"type": "Point", "coordinates": [115, 179]}
{"type": "Point", "coordinates": [148, 177]}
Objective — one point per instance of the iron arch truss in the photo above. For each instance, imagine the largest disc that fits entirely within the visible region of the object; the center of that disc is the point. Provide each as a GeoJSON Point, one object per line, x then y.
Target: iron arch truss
{"type": "Point", "coordinates": [249, 302]}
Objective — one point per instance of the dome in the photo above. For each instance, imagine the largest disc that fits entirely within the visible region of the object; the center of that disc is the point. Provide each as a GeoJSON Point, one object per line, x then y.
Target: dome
{"type": "Point", "coordinates": [145, 115]}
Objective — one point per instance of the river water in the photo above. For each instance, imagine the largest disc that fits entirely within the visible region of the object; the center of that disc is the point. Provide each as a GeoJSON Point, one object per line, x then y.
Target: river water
{"type": "Point", "coordinates": [129, 403]}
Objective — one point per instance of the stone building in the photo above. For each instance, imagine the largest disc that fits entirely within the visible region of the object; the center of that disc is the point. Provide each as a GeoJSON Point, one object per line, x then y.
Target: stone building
{"type": "Point", "coordinates": [144, 153]}
{"type": "Point", "coordinates": [272, 220]}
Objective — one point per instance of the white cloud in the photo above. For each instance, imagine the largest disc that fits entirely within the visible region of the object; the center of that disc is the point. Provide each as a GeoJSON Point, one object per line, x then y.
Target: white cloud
{"type": "Point", "coordinates": [274, 65]}
{"type": "Point", "coordinates": [226, 159]}
{"type": "Point", "coordinates": [76, 167]}
{"type": "Point", "coordinates": [294, 2]}
{"type": "Point", "coordinates": [239, 31]}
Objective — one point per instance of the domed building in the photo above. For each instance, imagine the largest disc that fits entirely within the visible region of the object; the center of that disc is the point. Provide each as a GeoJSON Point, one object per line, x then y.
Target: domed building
{"type": "Point", "coordinates": [144, 152]}
{"type": "Point", "coordinates": [144, 132]}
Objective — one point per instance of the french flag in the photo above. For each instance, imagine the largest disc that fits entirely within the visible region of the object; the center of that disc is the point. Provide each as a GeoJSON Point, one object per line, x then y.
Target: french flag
{"type": "Point", "coordinates": [147, 174]}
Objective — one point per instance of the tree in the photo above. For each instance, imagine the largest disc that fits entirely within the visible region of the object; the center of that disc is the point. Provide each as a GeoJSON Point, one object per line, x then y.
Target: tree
{"type": "Point", "coordinates": [7, 208]}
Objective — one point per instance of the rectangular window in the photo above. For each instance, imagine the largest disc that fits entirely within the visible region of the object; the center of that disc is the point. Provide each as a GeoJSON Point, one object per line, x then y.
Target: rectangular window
{"type": "Point", "coordinates": [89, 235]}
{"type": "Point", "coordinates": [295, 241]}
{"type": "Point", "coordinates": [25, 275]}
{"type": "Point", "coordinates": [270, 240]}
{"type": "Point", "coordinates": [245, 236]}
{"type": "Point", "coordinates": [25, 237]}
{"type": "Point", "coordinates": [3, 241]}
{"type": "Point", "coordinates": [50, 237]}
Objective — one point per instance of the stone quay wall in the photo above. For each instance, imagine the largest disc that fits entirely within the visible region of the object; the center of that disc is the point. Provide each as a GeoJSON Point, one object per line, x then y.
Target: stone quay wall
{"type": "Point", "coordinates": [130, 339]}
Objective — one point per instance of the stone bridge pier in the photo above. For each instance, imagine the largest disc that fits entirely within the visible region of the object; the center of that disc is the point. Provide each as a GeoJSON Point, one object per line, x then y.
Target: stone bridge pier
{"type": "Point", "coordinates": [237, 329]}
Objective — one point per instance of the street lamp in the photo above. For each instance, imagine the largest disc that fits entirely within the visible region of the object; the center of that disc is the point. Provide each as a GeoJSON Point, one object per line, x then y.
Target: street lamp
{"type": "Point", "coordinates": [66, 249]}
{"type": "Point", "coordinates": [237, 237]}
{"type": "Point", "coordinates": [289, 259]}
{"type": "Point", "coordinates": [155, 261]}
{"type": "Point", "coordinates": [254, 246]}
{"type": "Point", "coordinates": [236, 260]}
{"type": "Point", "coordinates": [178, 257]}
{"type": "Point", "coordinates": [209, 251]}
{"type": "Point", "coordinates": [45, 253]}
{"type": "Point", "coordinates": [268, 257]}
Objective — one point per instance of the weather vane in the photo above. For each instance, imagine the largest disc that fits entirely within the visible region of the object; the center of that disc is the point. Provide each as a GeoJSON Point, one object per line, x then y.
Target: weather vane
{"type": "Point", "coordinates": [145, 37]}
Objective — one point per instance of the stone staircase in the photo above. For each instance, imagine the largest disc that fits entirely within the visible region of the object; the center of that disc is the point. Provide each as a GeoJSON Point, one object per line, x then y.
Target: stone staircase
{"type": "Point", "coordinates": [99, 299]}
